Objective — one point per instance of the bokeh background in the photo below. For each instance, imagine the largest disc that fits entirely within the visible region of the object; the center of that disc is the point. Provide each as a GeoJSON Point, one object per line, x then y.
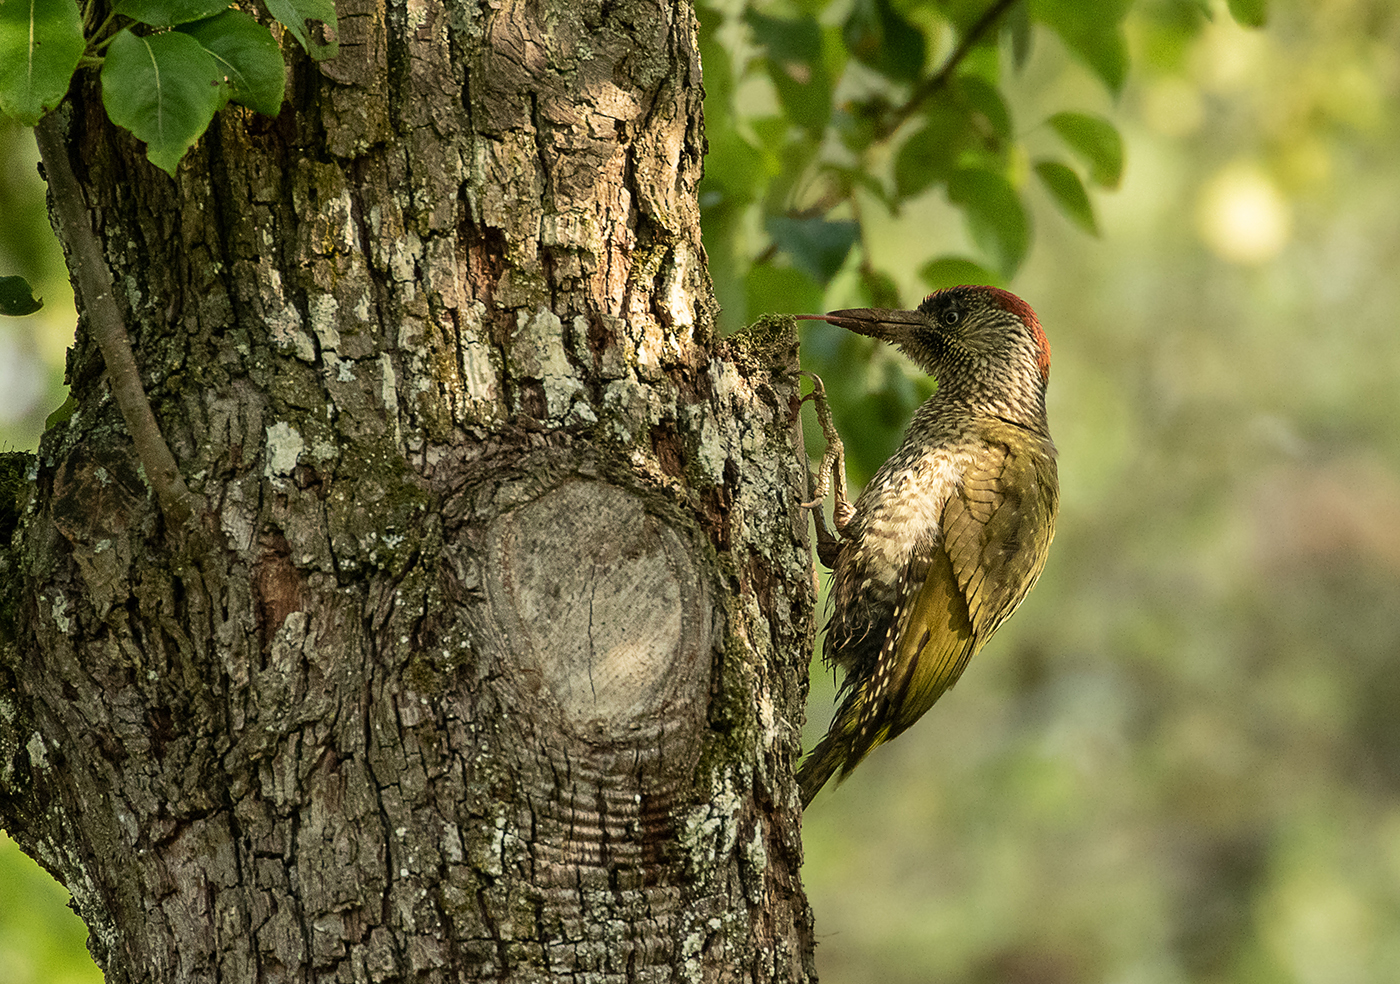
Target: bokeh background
{"type": "Point", "coordinates": [1180, 761]}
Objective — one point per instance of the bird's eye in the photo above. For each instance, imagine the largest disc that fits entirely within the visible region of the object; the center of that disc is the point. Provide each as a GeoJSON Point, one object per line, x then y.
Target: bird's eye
{"type": "Point", "coordinates": [951, 318]}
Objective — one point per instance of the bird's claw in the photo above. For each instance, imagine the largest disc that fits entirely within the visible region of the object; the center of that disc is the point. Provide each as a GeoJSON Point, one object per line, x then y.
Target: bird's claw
{"type": "Point", "coordinates": [830, 476]}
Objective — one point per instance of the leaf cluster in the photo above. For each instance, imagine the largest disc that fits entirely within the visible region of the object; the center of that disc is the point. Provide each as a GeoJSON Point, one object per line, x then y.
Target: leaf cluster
{"type": "Point", "coordinates": [166, 66]}
{"type": "Point", "coordinates": [881, 102]}
{"type": "Point", "coordinates": [823, 114]}
{"type": "Point", "coordinates": [864, 113]}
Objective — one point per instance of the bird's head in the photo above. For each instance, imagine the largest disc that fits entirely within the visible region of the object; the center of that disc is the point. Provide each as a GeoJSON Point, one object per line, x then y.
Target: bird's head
{"type": "Point", "coordinates": [983, 345]}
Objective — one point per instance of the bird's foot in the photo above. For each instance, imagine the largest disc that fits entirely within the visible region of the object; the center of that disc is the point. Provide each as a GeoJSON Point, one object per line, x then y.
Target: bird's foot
{"type": "Point", "coordinates": [830, 477]}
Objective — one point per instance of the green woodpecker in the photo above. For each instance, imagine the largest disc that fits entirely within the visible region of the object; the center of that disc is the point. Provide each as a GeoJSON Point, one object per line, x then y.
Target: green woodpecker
{"type": "Point", "coordinates": [949, 535]}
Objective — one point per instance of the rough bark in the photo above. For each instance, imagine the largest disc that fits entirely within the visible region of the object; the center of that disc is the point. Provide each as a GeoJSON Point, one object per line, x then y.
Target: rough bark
{"type": "Point", "coordinates": [487, 658]}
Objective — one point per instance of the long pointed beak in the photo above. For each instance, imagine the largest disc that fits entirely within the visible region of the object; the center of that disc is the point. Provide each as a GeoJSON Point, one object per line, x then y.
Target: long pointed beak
{"type": "Point", "coordinates": [886, 324]}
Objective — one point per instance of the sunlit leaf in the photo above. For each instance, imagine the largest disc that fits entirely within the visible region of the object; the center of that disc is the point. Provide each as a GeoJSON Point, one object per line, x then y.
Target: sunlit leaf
{"type": "Point", "coordinates": [40, 44]}
{"type": "Point", "coordinates": [1069, 194]}
{"type": "Point", "coordinates": [1251, 13]}
{"type": "Point", "coordinates": [817, 246]}
{"type": "Point", "coordinates": [247, 55]}
{"type": "Point", "coordinates": [1097, 141]}
{"type": "Point", "coordinates": [17, 297]}
{"type": "Point", "coordinates": [296, 15]}
{"type": "Point", "coordinates": [168, 13]}
{"type": "Point", "coordinates": [164, 88]}
{"type": "Point", "coordinates": [954, 271]}
{"type": "Point", "coordinates": [995, 216]}
{"type": "Point", "coordinates": [880, 37]}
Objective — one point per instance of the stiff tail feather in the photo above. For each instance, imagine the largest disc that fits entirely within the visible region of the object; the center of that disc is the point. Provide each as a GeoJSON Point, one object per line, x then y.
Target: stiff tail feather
{"type": "Point", "coordinates": [843, 748]}
{"type": "Point", "coordinates": [818, 766]}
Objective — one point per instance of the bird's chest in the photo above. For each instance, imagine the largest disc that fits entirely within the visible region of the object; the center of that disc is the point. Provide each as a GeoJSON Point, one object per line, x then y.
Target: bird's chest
{"type": "Point", "coordinates": [898, 514]}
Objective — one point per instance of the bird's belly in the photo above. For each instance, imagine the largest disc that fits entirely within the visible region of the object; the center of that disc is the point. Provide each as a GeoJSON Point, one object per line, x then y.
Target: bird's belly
{"type": "Point", "coordinates": [899, 515]}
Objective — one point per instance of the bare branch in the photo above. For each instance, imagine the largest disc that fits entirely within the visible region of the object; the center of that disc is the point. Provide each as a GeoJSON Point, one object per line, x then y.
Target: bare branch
{"type": "Point", "coordinates": [94, 281]}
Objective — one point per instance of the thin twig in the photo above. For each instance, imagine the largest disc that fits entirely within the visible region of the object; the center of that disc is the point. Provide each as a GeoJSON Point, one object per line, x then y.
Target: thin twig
{"type": "Point", "coordinates": [944, 75]}
{"type": "Point", "coordinates": [897, 117]}
{"type": "Point", "coordinates": [94, 280]}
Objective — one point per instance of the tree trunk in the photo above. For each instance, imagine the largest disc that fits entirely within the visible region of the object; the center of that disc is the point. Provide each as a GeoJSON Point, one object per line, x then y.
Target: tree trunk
{"type": "Point", "coordinates": [486, 656]}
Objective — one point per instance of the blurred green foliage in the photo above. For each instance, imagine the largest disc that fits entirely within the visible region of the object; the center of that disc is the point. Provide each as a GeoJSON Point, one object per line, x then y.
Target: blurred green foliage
{"type": "Point", "coordinates": [819, 111]}
{"type": "Point", "coordinates": [31, 348]}
{"type": "Point", "coordinates": [1180, 762]}
{"type": "Point", "coordinates": [41, 941]}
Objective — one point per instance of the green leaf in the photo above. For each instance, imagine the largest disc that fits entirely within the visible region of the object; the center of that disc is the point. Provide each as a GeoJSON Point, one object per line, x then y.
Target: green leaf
{"type": "Point", "coordinates": [929, 155]}
{"type": "Point", "coordinates": [1093, 31]}
{"type": "Point", "coordinates": [995, 216]}
{"type": "Point", "coordinates": [294, 15]}
{"type": "Point", "coordinates": [859, 122]}
{"type": "Point", "coordinates": [1018, 25]}
{"type": "Point", "coordinates": [1097, 141]}
{"type": "Point", "coordinates": [17, 297]}
{"type": "Point", "coordinates": [963, 14]}
{"type": "Point", "coordinates": [734, 168]}
{"type": "Point", "coordinates": [168, 13]}
{"type": "Point", "coordinates": [880, 288]}
{"type": "Point", "coordinates": [985, 101]}
{"type": "Point", "coordinates": [1250, 13]}
{"type": "Point", "coordinates": [40, 44]}
{"type": "Point", "coordinates": [248, 56]}
{"type": "Point", "coordinates": [877, 35]}
{"type": "Point", "coordinates": [817, 247]}
{"type": "Point", "coordinates": [63, 414]}
{"type": "Point", "coordinates": [797, 67]}
{"type": "Point", "coordinates": [954, 271]}
{"type": "Point", "coordinates": [1068, 191]}
{"type": "Point", "coordinates": [164, 88]}
{"type": "Point", "coordinates": [796, 39]}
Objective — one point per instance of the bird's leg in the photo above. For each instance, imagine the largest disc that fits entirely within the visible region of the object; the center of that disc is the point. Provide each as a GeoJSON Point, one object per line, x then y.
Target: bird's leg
{"type": "Point", "coordinates": [831, 476]}
{"type": "Point", "coordinates": [832, 470]}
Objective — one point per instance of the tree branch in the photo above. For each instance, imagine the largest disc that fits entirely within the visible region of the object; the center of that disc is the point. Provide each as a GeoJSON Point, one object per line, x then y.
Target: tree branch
{"type": "Point", "coordinates": [944, 75]}
{"type": "Point", "coordinates": [94, 281]}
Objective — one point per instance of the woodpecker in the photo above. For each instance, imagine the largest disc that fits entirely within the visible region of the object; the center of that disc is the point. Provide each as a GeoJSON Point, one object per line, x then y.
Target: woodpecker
{"type": "Point", "coordinates": [952, 531]}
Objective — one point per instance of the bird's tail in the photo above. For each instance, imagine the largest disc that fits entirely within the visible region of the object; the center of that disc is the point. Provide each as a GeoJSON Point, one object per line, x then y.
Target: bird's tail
{"type": "Point", "coordinates": [842, 749]}
{"type": "Point", "coordinates": [819, 766]}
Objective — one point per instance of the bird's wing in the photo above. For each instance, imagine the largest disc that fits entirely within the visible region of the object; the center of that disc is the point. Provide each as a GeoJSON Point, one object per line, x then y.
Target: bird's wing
{"type": "Point", "coordinates": [935, 640]}
{"type": "Point", "coordinates": [913, 668]}
{"type": "Point", "coordinates": [997, 528]}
